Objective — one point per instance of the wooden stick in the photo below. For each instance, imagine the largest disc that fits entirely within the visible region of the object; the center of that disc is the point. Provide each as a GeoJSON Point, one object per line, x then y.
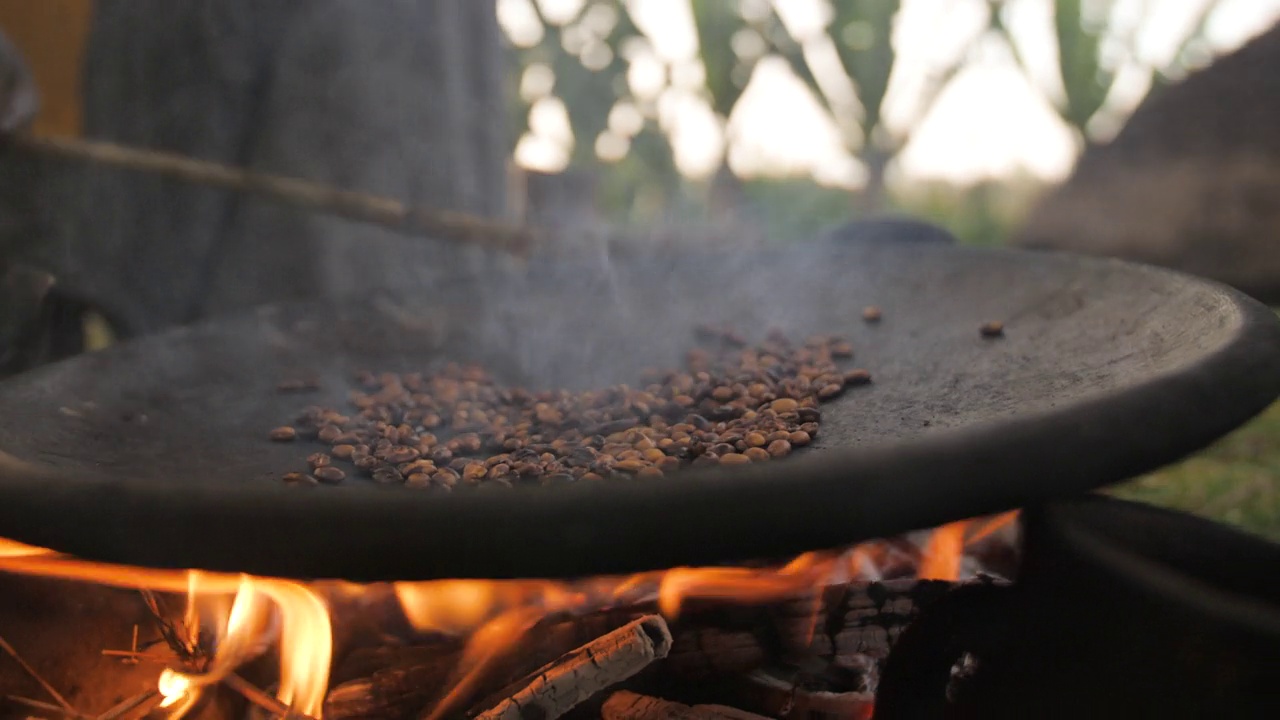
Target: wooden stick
{"type": "Point", "coordinates": [301, 194]}
{"type": "Point", "coordinates": [575, 677]}
{"type": "Point", "coordinates": [626, 705]}
{"type": "Point", "coordinates": [45, 707]}
{"type": "Point", "coordinates": [256, 696]}
{"type": "Point", "coordinates": [36, 676]}
{"type": "Point", "coordinates": [142, 703]}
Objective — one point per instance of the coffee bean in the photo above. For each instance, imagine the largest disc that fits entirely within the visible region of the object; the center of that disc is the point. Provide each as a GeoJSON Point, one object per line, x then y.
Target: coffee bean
{"type": "Point", "coordinates": [300, 479]}
{"type": "Point", "coordinates": [779, 448]}
{"type": "Point", "coordinates": [733, 403]}
{"type": "Point", "coordinates": [329, 474]}
{"type": "Point", "coordinates": [284, 433]}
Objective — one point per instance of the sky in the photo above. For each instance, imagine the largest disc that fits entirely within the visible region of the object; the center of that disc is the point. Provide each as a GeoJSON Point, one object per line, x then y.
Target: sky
{"type": "Point", "coordinates": [991, 121]}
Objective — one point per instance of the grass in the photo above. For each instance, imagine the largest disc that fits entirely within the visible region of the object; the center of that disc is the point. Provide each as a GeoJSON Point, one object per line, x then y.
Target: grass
{"type": "Point", "coordinates": [1236, 481]}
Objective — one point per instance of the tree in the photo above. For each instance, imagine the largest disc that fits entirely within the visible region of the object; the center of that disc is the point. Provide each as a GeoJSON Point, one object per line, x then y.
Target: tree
{"type": "Point", "coordinates": [1093, 46]}
{"type": "Point", "coordinates": [733, 37]}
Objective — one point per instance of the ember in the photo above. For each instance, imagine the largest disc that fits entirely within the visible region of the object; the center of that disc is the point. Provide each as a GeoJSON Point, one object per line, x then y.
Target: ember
{"type": "Point", "coordinates": [733, 404]}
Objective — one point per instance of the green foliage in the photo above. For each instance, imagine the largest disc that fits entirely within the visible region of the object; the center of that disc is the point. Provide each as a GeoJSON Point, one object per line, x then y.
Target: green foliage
{"type": "Point", "coordinates": [1083, 29]}
{"type": "Point", "coordinates": [862, 31]}
{"type": "Point", "coordinates": [588, 93]}
{"type": "Point", "coordinates": [1084, 79]}
{"type": "Point", "coordinates": [796, 209]}
{"type": "Point", "coordinates": [647, 181]}
{"type": "Point", "coordinates": [1236, 481]}
{"type": "Point", "coordinates": [717, 22]}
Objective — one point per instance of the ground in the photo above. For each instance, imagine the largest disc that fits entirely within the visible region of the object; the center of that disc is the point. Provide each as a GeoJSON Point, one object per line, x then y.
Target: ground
{"type": "Point", "coordinates": [1236, 481]}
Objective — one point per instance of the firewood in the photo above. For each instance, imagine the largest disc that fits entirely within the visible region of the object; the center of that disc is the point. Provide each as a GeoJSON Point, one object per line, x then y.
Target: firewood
{"type": "Point", "coordinates": [577, 676]}
{"type": "Point", "coordinates": [407, 680]}
{"type": "Point", "coordinates": [626, 705]}
{"type": "Point", "coordinates": [709, 640]}
{"type": "Point", "coordinates": [799, 697]}
{"type": "Point", "coordinates": [399, 681]}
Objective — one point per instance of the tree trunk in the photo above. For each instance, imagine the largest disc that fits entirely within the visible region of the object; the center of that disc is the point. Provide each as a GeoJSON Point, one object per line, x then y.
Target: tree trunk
{"type": "Point", "coordinates": [873, 199]}
{"type": "Point", "coordinates": [399, 97]}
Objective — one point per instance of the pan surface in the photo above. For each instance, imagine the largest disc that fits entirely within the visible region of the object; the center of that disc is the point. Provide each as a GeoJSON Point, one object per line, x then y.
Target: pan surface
{"type": "Point", "coordinates": [154, 452]}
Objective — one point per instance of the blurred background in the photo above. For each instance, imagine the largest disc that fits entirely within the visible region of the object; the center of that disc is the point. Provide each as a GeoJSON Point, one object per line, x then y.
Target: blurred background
{"type": "Point", "coordinates": [1144, 129]}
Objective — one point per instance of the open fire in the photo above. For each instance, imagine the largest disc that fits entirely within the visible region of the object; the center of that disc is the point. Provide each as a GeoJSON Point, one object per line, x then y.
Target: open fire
{"type": "Point", "coordinates": [232, 620]}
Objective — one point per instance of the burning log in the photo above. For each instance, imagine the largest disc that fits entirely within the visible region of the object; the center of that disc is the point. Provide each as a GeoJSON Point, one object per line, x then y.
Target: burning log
{"type": "Point", "coordinates": [626, 705]}
{"type": "Point", "coordinates": [807, 697]}
{"type": "Point", "coordinates": [838, 624]}
{"type": "Point", "coordinates": [401, 682]}
{"type": "Point", "coordinates": [579, 675]}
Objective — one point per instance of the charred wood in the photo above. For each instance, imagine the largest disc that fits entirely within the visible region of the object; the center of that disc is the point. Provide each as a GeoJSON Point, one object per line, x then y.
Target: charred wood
{"type": "Point", "coordinates": [836, 625]}
{"type": "Point", "coordinates": [626, 705]}
{"type": "Point", "coordinates": [592, 668]}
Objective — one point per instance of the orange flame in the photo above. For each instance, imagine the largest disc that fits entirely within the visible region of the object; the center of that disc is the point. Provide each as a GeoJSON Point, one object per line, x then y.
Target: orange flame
{"type": "Point", "coordinates": [249, 614]}
{"type": "Point", "coordinates": [306, 638]}
{"type": "Point", "coordinates": [942, 556]}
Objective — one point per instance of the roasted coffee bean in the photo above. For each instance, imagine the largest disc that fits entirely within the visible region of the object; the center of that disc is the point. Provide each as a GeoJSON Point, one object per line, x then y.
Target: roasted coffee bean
{"type": "Point", "coordinates": [629, 466]}
{"type": "Point", "coordinates": [992, 329]}
{"type": "Point", "coordinates": [318, 460]}
{"type": "Point", "coordinates": [329, 474]}
{"type": "Point", "coordinates": [784, 405]}
{"type": "Point", "coordinates": [387, 476]}
{"type": "Point", "coordinates": [722, 448]}
{"type": "Point", "coordinates": [733, 403]}
{"type": "Point", "coordinates": [300, 479]}
{"type": "Point", "coordinates": [831, 392]}
{"type": "Point", "coordinates": [474, 472]}
{"type": "Point", "coordinates": [779, 449]}
{"type": "Point", "coordinates": [871, 314]}
{"type": "Point", "coordinates": [284, 433]}
{"type": "Point", "coordinates": [418, 480]}
{"type": "Point", "coordinates": [401, 454]}
{"type": "Point", "coordinates": [854, 378]}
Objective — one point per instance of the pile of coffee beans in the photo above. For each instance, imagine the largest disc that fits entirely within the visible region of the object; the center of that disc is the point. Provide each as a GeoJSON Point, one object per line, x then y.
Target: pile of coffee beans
{"type": "Point", "coordinates": [733, 403]}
